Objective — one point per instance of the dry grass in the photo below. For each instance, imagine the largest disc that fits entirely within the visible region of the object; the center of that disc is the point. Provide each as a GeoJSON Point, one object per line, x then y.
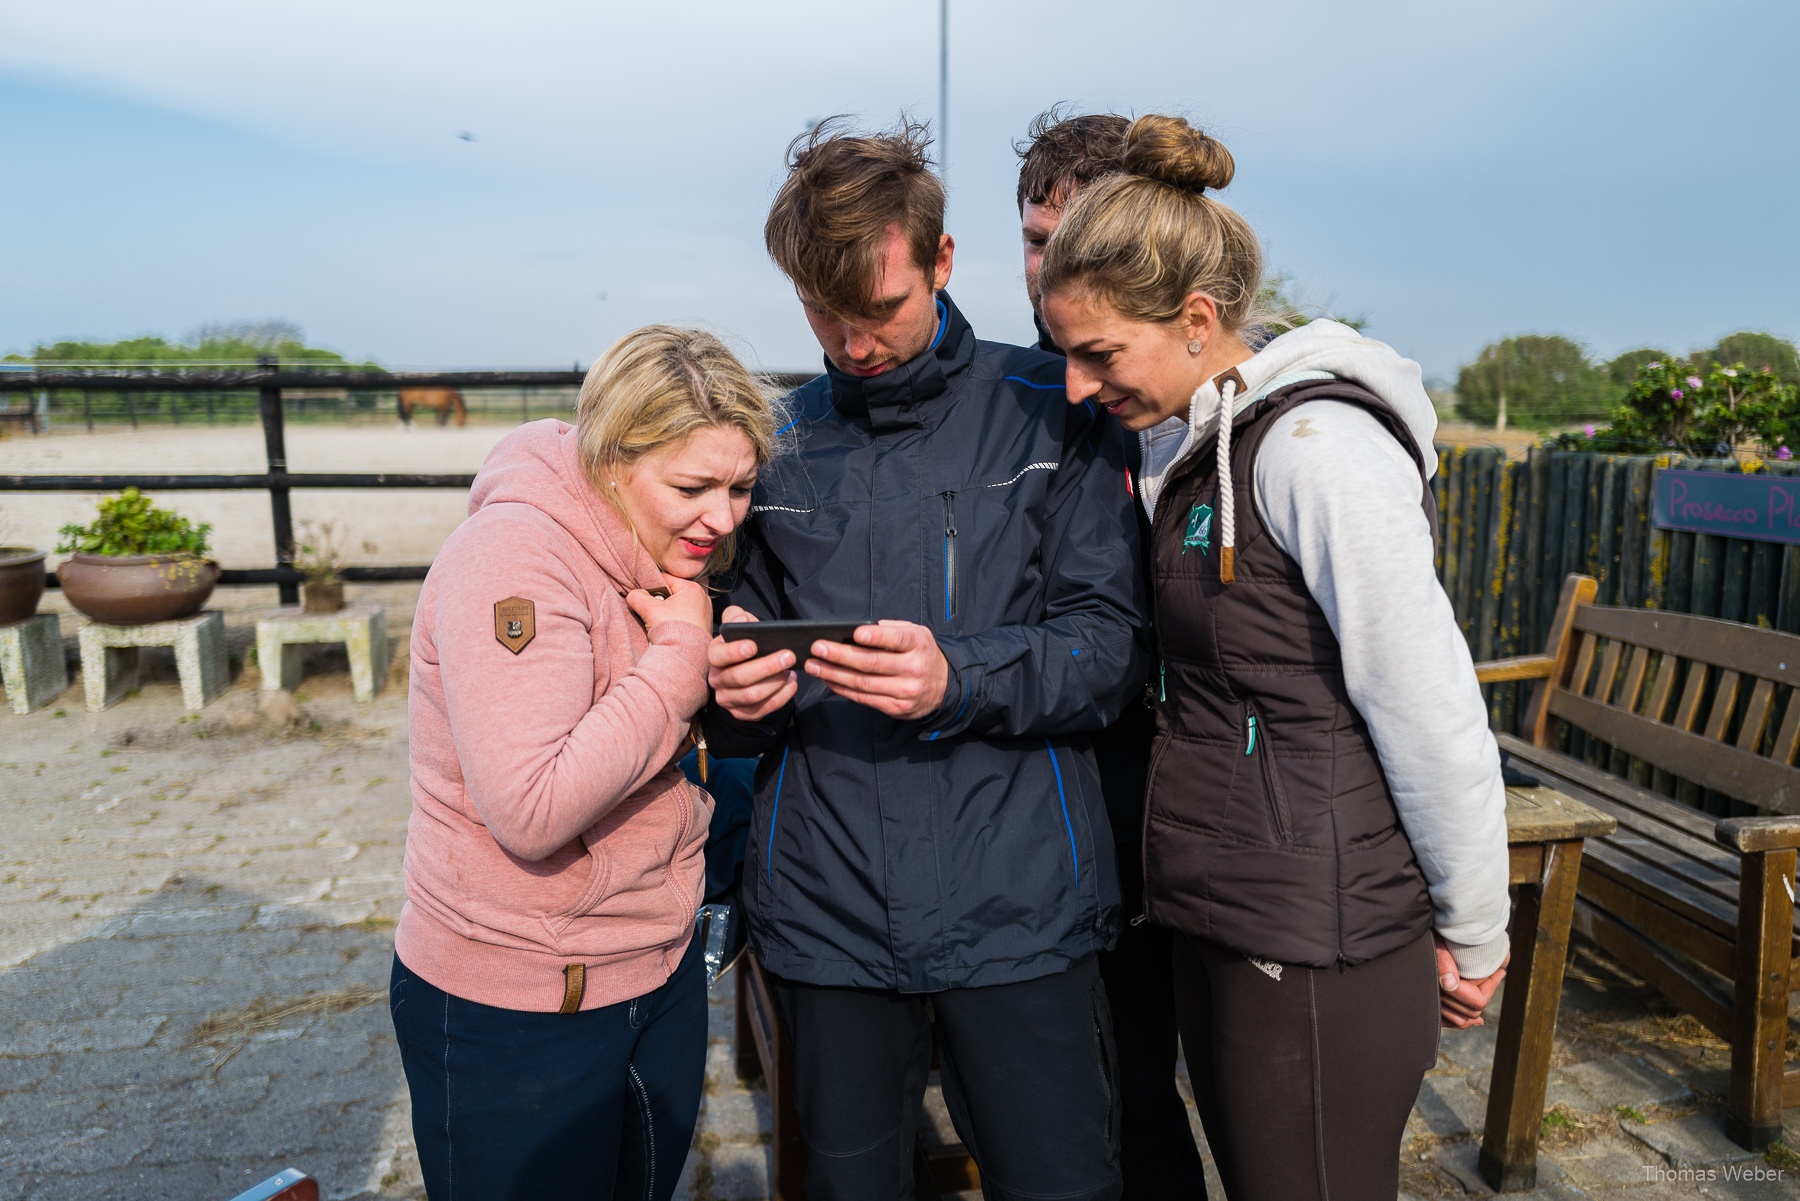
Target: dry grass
{"type": "Point", "coordinates": [231, 1031]}
{"type": "Point", "coordinates": [1564, 1127]}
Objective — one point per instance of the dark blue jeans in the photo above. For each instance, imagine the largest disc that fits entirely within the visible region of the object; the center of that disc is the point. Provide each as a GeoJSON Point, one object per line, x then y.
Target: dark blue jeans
{"type": "Point", "coordinates": [590, 1106]}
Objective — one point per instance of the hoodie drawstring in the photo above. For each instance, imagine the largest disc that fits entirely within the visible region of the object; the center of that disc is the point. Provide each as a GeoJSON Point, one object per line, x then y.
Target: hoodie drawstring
{"type": "Point", "coordinates": [1227, 501]}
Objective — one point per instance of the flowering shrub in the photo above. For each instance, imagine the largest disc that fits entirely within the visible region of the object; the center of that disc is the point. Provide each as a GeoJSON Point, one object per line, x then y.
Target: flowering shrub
{"type": "Point", "coordinates": [1668, 407]}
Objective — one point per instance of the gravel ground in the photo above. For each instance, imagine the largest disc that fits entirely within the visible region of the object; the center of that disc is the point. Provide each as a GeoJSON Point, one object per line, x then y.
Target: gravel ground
{"type": "Point", "coordinates": [196, 924]}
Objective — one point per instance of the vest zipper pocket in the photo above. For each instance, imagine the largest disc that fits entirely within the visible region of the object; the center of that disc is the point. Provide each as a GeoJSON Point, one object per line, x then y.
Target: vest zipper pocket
{"type": "Point", "coordinates": [1255, 732]}
{"type": "Point", "coordinates": [949, 555]}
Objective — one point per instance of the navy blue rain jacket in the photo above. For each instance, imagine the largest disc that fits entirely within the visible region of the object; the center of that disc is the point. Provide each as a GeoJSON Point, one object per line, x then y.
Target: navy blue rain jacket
{"type": "Point", "coordinates": [961, 491]}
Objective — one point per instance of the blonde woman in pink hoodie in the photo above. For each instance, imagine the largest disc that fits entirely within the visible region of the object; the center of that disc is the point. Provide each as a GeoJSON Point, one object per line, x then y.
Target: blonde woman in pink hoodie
{"type": "Point", "coordinates": [547, 994]}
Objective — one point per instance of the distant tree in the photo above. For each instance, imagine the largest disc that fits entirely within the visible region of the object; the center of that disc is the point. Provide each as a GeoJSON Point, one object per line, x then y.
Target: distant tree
{"type": "Point", "coordinates": [1748, 348]}
{"type": "Point", "coordinates": [1622, 370]}
{"type": "Point", "coordinates": [221, 342]}
{"type": "Point", "coordinates": [256, 333]}
{"type": "Point", "coordinates": [1275, 297]}
{"type": "Point", "coordinates": [1534, 381]}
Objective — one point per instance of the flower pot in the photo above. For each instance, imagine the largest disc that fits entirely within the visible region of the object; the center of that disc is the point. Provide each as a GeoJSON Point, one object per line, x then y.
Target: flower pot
{"type": "Point", "coordinates": [134, 590]}
{"type": "Point", "coordinates": [322, 596]}
{"type": "Point", "coordinates": [21, 582]}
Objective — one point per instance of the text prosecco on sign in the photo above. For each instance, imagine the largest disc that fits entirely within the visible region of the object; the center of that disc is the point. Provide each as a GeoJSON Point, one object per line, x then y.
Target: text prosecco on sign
{"type": "Point", "coordinates": [1765, 508]}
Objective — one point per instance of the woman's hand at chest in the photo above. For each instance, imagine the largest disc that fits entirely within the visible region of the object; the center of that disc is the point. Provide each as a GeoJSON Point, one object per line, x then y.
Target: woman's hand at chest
{"type": "Point", "coordinates": [687, 602]}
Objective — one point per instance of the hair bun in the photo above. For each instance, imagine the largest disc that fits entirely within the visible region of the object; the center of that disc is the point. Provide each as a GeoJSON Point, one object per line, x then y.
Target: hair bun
{"type": "Point", "coordinates": [1170, 151]}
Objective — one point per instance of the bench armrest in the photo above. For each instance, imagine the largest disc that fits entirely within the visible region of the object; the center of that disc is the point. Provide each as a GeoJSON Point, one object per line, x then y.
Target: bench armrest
{"type": "Point", "coordinates": [1525, 667]}
{"type": "Point", "coordinates": [1749, 834]}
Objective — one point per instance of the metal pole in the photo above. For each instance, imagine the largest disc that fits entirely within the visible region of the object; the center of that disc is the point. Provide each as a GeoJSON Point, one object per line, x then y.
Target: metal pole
{"type": "Point", "coordinates": [275, 444]}
{"type": "Point", "coordinates": [944, 89]}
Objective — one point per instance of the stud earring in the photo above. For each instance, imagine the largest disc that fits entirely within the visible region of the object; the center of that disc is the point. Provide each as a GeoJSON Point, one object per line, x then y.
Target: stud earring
{"type": "Point", "coordinates": [1195, 346]}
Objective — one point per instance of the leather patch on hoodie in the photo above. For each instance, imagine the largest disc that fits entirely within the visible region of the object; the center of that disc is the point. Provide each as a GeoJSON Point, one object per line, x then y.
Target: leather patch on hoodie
{"type": "Point", "coordinates": [515, 623]}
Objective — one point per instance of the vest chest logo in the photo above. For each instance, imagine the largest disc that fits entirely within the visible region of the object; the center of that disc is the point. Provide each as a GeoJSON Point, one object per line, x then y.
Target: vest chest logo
{"type": "Point", "coordinates": [515, 623]}
{"type": "Point", "coordinates": [1199, 529]}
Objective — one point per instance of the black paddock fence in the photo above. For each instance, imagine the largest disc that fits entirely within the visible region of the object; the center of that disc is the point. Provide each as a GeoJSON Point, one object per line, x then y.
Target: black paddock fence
{"type": "Point", "coordinates": [280, 392]}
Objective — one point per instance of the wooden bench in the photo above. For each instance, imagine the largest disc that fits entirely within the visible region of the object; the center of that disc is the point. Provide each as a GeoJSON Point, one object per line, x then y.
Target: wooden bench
{"type": "Point", "coordinates": [1701, 906]}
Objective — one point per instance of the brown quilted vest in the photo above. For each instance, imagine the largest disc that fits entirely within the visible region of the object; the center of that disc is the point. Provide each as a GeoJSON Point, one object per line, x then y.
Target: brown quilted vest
{"type": "Point", "coordinates": [1269, 827]}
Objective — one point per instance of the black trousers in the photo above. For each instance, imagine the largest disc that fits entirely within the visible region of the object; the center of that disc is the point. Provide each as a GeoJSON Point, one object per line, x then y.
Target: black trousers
{"type": "Point", "coordinates": [1304, 1077]}
{"type": "Point", "coordinates": [589, 1106]}
{"type": "Point", "coordinates": [1157, 1154]}
{"type": "Point", "coordinates": [1028, 1074]}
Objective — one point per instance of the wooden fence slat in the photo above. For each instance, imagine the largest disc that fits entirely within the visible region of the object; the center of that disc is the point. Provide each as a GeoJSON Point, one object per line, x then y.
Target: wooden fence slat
{"type": "Point", "coordinates": [1634, 520]}
{"type": "Point", "coordinates": [1574, 545]}
{"type": "Point", "coordinates": [1509, 638]}
{"type": "Point", "coordinates": [1440, 493]}
{"type": "Point", "coordinates": [1484, 605]}
{"type": "Point", "coordinates": [1531, 562]}
{"type": "Point", "coordinates": [1550, 566]}
{"type": "Point", "coordinates": [1452, 519]}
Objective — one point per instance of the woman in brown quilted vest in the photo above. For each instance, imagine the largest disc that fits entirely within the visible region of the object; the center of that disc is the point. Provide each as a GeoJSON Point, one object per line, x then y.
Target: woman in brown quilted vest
{"type": "Point", "coordinates": [1325, 825]}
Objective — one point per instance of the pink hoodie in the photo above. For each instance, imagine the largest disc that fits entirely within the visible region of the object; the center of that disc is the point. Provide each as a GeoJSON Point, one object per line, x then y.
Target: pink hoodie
{"type": "Point", "coordinates": [550, 825]}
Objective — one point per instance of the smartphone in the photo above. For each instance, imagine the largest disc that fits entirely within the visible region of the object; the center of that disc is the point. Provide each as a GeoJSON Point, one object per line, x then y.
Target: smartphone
{"type": "Point", "coordinates": [796, 636]}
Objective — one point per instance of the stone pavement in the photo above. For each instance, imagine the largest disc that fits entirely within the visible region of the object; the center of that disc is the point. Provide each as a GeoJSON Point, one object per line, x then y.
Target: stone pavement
{"type": "Point", "coordinates": [196, 927]}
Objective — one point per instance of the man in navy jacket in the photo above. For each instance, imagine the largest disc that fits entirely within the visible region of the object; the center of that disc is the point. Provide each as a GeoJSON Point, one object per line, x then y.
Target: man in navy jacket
{"type": "Point", "coordinates": [930, 843]}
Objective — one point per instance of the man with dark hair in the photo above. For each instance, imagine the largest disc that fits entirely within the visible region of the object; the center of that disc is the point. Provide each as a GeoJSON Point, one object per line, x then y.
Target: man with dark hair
{"type": "Point", "coordinates": [929, 850]}
{"type": "Point", "coordinates": [1060, 156]}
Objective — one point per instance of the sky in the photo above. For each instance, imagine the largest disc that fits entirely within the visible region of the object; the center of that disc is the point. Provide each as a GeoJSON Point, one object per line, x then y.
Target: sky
{"type": "Point", "coordinates": [1619, 172]}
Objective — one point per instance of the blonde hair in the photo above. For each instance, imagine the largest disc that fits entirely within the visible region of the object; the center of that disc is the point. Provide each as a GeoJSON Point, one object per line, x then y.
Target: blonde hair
{"type": "Point", "coordinates": [1145, 238]}
{"type": "Point", "coordinates": [656, 386]}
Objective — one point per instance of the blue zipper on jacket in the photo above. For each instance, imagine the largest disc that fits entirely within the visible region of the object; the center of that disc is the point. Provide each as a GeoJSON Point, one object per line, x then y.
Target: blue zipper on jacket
{"type": "Point", "coordinates": [1062, 798]}
{"type": "Point", "coordinates": [775, 812]}
{"type": "Point", "coordinates": [949, 555]}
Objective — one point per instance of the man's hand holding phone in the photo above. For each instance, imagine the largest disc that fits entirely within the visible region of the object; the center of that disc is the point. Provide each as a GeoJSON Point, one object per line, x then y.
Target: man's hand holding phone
{"type": "Point", "coordinates": [895, 668]}
{"type": "Point", "coordinates": [748, 688]}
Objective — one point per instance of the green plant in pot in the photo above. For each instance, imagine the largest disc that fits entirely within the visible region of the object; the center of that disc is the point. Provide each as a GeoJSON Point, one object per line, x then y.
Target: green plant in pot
{"type": "Point", "coordinates": [317, 556]}
{"type": "Point", "coordinates": [136, 563]}
{"type": "Point", "coordinates": [21, 577]}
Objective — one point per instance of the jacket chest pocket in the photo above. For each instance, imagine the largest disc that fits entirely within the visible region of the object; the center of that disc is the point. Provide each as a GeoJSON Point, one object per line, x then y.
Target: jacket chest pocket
{"type": "Point", "coordinates": [981, 551]}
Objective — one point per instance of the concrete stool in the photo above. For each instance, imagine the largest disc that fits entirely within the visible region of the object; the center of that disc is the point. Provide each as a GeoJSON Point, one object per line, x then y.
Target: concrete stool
{"type": "Point", "coordinates": [361, 628]}
{"type": "Point", "coordinates": [31, 662]}
{"type": "Point", "coordinates": [109, 658]}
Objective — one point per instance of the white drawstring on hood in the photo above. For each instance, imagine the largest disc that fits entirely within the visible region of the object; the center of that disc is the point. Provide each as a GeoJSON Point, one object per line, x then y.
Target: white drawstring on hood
{"type": "Point", "coordinates": [1321, 349]}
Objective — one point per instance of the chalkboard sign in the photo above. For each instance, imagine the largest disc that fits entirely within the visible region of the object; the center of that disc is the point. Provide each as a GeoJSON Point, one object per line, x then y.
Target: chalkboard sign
{"type": "Point", "coordinates": [1765, 508]}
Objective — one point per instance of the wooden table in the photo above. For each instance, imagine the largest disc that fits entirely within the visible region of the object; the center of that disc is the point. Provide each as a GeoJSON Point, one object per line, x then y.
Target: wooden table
{"type": "Point", "coordinates": [1544, 833]}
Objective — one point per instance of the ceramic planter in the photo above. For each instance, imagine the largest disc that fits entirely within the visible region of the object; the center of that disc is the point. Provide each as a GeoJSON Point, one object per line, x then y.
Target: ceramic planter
{"type": "Point", "coordinates": [21, 582]}
{"type": "Point", "coordinates": [133, 590]}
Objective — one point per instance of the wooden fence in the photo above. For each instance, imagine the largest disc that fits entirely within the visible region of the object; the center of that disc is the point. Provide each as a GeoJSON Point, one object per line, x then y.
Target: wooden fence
{"type": "Point", "coordinates": [1510, 531]}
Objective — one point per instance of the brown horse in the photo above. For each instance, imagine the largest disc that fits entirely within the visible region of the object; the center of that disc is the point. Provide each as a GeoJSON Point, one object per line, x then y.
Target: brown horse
{"type": "Point", "coordinates": [443, 400]}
